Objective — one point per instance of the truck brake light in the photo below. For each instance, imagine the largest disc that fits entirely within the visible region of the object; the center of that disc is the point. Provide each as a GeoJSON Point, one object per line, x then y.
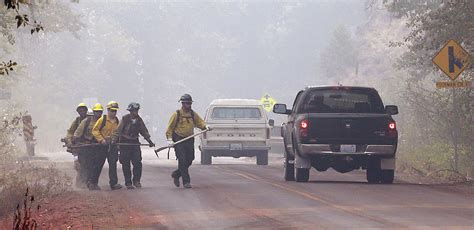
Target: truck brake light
{"type": "Point", "coordinates": [392, 125]}
{"type": "Point", "coordinates": [304, 124]}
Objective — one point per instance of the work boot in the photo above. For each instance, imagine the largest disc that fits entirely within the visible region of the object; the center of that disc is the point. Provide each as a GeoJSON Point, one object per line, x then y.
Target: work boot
{"type": "Point", "coordinates": [129, 186]}
{"type": "Point", "coordinates": [137, 184]}
{"type": "Point", "coordinates": [115, 186]}
{"type": "Point", "coordinates": [175, 181]}
{"type": "Point", "coordinates": [187, 185]}
{"type": "Point", "coordinates": [93, 187]}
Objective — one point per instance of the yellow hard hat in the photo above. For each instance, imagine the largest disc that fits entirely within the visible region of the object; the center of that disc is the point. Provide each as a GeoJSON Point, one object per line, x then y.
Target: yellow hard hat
{"type": "Point", "coordinates": [113, 105]}
{"type": "Point", "coordinates": [82, 104]}
{"type": "Point", "coordinates": [98, 107]}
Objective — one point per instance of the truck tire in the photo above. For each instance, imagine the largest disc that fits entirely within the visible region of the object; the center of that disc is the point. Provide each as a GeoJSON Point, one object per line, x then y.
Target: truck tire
{"type": "Point", "coordinates": [387, 176]}
{"type": "Point", "coordinates": [206, 158]}
{"type": "Point", "coordinates": [373, 170]}
{"type": "Point", "coordinates": [302, 175]}
{"type": "Point", "coordinates": [262, 158]}
{"type": "Point", "coordinates": [373, 176]}
{"type": "Point", "coordinates": [289, 170]}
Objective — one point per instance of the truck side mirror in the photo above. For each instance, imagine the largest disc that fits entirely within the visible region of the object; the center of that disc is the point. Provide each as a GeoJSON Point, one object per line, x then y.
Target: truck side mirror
{"type": "Point", "coordinates": [391, 109]}
{"type": "Point", "coordinates": [271, 122]}
{"type": "Point", "coordinates": [281, 109]}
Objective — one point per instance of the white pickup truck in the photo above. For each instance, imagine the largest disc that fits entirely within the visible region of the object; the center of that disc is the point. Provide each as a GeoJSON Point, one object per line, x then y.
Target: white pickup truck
{"type": "Point", "coordinates": [240, 128]}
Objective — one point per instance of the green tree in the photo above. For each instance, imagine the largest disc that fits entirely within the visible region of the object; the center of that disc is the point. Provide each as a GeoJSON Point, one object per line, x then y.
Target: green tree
{"type": "Point", "coordinates": [9, 14]}
{"type": "Point", "coordinates": [339, 59]}
{"type": "Point", "coordinates": [17, 175]}
{"type": "Point", "coordinates": [439, 115]}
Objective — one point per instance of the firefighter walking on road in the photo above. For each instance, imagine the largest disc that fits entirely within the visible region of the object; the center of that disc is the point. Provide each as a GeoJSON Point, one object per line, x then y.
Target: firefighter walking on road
{"type": "Point", "coordinates": [180, 126]}
{"type": "Point", "coordinates": [103, 131]}
{"type": "Point", "coordinates": [88, 154]}
{"type": "Point", "coordinates": [81, 109]}
{"type": "Point", "coordinates": [127, 132]}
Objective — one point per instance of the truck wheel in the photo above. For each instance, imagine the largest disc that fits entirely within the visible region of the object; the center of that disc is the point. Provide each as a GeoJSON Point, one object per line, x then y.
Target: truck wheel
{"type": "Point", "coordinates": [373, 170]}
{"type": "Point", "coordinates": [387, 176]}
{"type": "Point", "coordinates": [262, 158]}
{"type": "Point", "coordinates": [302, 175]}
{"type": "Point", "coordinates": [289, 170]}
{"type": "Point", "coordinates": [206, 158]}
{"type": "Point", "coordinates": [373, 175]}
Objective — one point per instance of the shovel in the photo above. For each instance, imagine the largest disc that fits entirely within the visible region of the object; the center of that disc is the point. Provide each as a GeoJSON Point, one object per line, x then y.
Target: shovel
{"type": "Point", "coordinates": [177, 142]}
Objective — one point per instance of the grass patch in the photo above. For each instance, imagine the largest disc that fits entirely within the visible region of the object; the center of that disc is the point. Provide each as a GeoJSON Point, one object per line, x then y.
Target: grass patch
{"type": "Point", "coordinates": [436, 161]}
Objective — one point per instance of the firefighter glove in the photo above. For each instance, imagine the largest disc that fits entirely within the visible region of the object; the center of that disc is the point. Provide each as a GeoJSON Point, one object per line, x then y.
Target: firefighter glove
{"type": "Point", "coordinates": [150, 143]}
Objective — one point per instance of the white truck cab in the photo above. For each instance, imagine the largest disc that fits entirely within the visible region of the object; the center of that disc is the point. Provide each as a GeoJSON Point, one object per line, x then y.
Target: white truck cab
{"type": "Point", "coordinates": [240, 128]}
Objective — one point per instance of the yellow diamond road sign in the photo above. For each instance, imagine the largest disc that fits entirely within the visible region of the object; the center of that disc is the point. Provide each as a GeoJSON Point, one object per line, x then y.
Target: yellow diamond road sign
{"type": "Point", "coordinates": [267, 102]}
{"type": "Point", "coordinates": [452, 59]}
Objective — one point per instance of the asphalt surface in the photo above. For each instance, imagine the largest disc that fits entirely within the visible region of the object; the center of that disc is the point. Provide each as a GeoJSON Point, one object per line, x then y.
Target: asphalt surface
{"type": "Point", "coordinates": [236, 193]}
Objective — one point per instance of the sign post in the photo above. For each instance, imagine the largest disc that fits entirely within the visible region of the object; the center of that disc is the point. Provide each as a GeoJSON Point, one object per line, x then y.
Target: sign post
{"type": "Point", "coordinates": [452, 59]}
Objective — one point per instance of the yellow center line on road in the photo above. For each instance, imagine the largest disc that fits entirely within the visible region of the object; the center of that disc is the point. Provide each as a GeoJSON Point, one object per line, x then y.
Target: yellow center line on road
{"type": "Point", "coordinates": [245, 176]}
{"type": "Point", "coordinates": [202, 219]}
{"type": "Point", "coordinates": [243, 215]}
{"type": "Point", "coordinates": [351, 210]}
{"type": "Point", "coordinates": [302, 193]}
{"type": "Point", "coordinates": [360, 208]}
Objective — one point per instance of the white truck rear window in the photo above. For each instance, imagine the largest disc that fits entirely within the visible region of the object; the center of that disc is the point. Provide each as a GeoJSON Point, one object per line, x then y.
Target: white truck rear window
{"type": "Point", "coordinates": [236, 113]}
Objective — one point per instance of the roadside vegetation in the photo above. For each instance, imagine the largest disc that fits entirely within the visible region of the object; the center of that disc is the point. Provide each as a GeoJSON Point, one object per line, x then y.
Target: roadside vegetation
{"type": "Point", "coordinates": [19, 174]}
{"type": "Point", "coordinates": [22, 180]}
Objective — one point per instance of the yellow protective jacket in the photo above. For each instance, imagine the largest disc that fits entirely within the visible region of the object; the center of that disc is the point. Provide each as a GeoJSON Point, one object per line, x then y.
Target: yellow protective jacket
{"type": "Point", "coordinates": [186, 124]}
{"type": "Point", "coordinates": [102, 132]}
{"type": "Point", "coordinates": [83, 133]}
{"type": "Point", "coordinates": [72, 129]}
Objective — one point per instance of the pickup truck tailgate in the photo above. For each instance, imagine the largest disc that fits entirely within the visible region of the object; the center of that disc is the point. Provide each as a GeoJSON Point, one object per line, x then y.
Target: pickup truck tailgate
{"type": "Point", "coordinates": [234, 133]}
{"type": "Point", "coordinates": [348, 128]}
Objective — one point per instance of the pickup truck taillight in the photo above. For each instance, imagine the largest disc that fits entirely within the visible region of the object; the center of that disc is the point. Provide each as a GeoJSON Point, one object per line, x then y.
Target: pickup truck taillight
{"type": "Point", "coordinates": [392, 129]}
{"type": "Point", "coordinates": [304, 124]}
{"type": "Point", "coordinates": [268, 133]}
{"type": "Point", "coordinates": [392, 125]}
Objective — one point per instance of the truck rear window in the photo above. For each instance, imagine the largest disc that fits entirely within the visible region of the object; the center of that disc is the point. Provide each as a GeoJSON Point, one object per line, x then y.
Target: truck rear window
{"type": "Point", "coordinates": [236, 113]}
{"type": "Point", "coordinates": [341, 100]}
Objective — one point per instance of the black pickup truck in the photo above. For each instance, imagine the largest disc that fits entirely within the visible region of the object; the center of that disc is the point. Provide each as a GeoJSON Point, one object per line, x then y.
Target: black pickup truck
{"type": "Point", "coordinates": [339, 127]}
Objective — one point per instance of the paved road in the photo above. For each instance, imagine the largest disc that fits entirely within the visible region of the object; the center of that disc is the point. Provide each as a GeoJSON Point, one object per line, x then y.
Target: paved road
{"type": "Point", "coordinates": [236, 193]}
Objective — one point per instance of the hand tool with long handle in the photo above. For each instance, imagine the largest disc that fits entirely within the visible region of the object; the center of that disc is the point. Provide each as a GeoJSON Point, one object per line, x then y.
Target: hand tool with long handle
{"type": "Point", "coordinates": [82, 145]}
{"type": "Point", "coordinates": [177, 142]}
{"type": "Point", "coordinates": [97, 144]}
{"type": "Point", "coordinates": [132, 144]}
